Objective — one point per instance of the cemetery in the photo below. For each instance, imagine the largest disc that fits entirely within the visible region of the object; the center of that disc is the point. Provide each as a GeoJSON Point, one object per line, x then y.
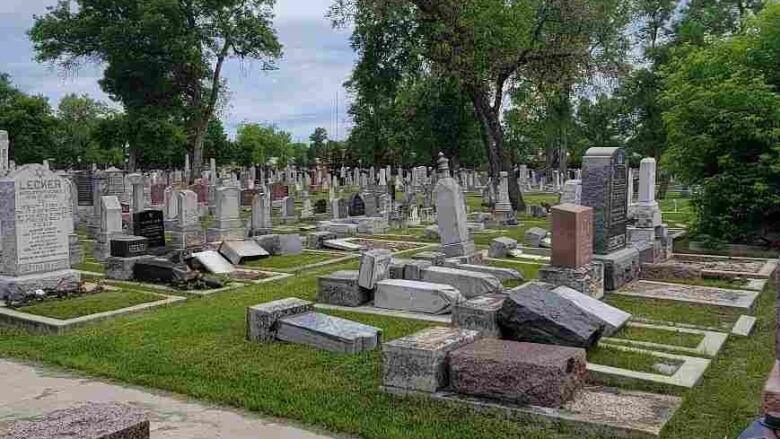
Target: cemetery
{"type": "Point", "coordinates": [528, 220]}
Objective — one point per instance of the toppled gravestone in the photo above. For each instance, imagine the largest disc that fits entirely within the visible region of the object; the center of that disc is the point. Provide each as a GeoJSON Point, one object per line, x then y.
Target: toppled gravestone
{"type": "Point", "coordinates": [534, 236]}
{"type": "Point", "coordinates": [374, 265]}
{"type": "Point", "coordinates": [88, 421]}
{"type": "Point", "coordinates": [612, 318]}
{"type": "Point", "coordinates": [469, 283]}
{"type": "Point", "coordinates": [341, 288]}
{"type": "Point", "coordinates": [415, 296]}
{"type": "Point", "coordinates": [501, 246]}
{"type": "Point", "coordinates": [521, 373]}
{"type": "Point", "coordinates": [532, 313]}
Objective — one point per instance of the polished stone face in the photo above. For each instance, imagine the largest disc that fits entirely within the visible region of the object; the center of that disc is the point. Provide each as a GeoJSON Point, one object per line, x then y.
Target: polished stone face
{"type": "Point", "coordinates": [572, 235]}
{"type": "Point", "coordinates": [605, 189]}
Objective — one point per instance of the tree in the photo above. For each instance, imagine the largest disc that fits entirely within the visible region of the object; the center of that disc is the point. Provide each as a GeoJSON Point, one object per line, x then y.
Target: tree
{"type": "Point", "coordinates": [486, 44]}
{"type": "Point", "coordinates": [318, 140]}
{"type": "Point", "coordinates": [30, 124]}
{"type": "Point", "coordinates": [161, 54]}
{"type": "Point", "coordinates": [722, 117]}
{"type": "Point", "coordinates": [79, 118]}
{"type": "Point", "coordinates": [258, 144]}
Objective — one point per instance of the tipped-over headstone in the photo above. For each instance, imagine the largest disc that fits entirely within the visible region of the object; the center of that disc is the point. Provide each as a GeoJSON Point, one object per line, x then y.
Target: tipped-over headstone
{"type": "Point", "coordinates": [415, 296]}
{"type": "Point", "coordinates": [612, 318]}
{"type": "Point", "coordinates": [469, 283]}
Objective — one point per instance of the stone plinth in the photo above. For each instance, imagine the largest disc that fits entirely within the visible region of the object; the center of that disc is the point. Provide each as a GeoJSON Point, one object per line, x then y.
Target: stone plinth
{"type": "Point", "coordinates": [479, 314]}
{"type": "Point", "coordinates": [419, 361]}
{"type": "Point", "coordinates": [329, 333]}
{"type": "Point", "coordinates": [261, 320]}
{"type": "Point", "coordinates": [435, 258]}
{"type": "Point", "coordinates": [341, 288]}
{"type": "Point", "coordinates": [89, 421]}
{"type": "Point", "coordinates": [572, 236]}
{"type": "Point", "coordinates": [119, 268]}
{"type": "Point", "coordinates": [236, 251]}
{"type": "Point", "coordinates": [187, 237]}
{"type": "Point", "coordinates": [587, 279]}
{"type": "Point", "coordinates": [68, 280]}
{"type": "Point", "coordinates": [521, 373]}
{"type": "Point", "coordinates": [620, 268]}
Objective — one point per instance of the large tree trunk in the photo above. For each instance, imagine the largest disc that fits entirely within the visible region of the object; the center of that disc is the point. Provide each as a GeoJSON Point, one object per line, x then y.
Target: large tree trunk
{"type": "Point", "coordinates": [493, 137]}
{"type": "Point", "coordinates": [202, 122]}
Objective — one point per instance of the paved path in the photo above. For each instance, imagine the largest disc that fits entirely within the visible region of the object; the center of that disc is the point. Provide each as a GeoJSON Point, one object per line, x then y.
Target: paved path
{"type": "Point", "coordinates": [31, 390]}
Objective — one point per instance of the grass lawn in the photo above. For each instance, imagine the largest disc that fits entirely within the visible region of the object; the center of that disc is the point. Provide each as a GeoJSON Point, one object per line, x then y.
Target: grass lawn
{"type": "Point", "coordinates": [673, 338]}
{"type": "Point", "coordinates": [290, 262]}
{"type": "Point", "coordinates": [529, 271]}
{"type": "Point", "coordinates": [91, 304]}
{"type": "Point", "coordinates": [678, 312]}
{"type": "Point", "coordinates": [637, 361]}
{"type": "Point", "coordinates": [198, 348]}
{"type": "Point", "coordinates": [92, 266]}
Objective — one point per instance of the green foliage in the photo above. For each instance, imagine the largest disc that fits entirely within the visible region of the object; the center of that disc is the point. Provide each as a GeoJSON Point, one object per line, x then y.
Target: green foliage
{"type": "Point", "coordinates": [29, 121]}
{"type": "Point", "coordinates": [259, 144]}
{"type": "Point", "coordinates": [723, 122]}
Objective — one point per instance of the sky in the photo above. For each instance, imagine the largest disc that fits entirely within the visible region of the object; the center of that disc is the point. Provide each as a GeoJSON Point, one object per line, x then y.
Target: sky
{"type": "Point", "coordinates": [298, 97]}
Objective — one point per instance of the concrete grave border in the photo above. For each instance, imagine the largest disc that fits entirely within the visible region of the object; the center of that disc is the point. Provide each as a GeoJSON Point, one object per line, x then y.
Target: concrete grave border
{"type": "Point", "coordinates": [752, 295]}
{"type": "Point", "coordinates": [710, 346]}
{"type": "Point", "coordinates": [50, 325]}
{"type": "Point", "coordinates": [688, 375]}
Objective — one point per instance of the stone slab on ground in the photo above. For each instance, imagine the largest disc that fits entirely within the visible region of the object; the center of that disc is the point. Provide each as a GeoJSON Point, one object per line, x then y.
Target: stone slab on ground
{"type": "Point", "coordinates": [330, 333]}
{"type": "Point", "coordinates": [342, 244]}
{"type": "Point", "coordinates": [341, 288]}
{"type": "Point", "coordinates": [236, 251]}
{"type": "Point", "coordinates": [214, 262]}
{"type": "Point", "coordinates": [613, 318]}
{"type": "Point", "coordinates": [469, 283]}
{"type": "Point", "coordinates": [416, 296]}
{"type": "Point", "coordinates": [374, 265]}
{"type": "Point", "coordinates": [32, 390]}
{"type": "Point", "coordinates": [87, 421]}
{"type": "Point", "coordinates": [744, 326]}
{"type": "Point", "coordinates": [711, 341]}
{"type": "Point", "coordinates": [687, 375]}
{"type": "Point", "coordinates": [691, 294]}
{"type": "Point", "coordinates": [479, 314]}
{"type": "Point", "coordinates": [532, 313]}
{"type": "Point", "coordinates": [499, 247]}
{"type": "Point", "coordinates": [372, 310]}
{"type": "Point", "coordinates": [419, 361]}
{"type": "Point", "coordinates": [591, 412]}
{"type": "Point", "coordinates": [522, 373]}
{"type": "Point", "coordinates": [262, 320]}
{"type": "Point", "coordinates": [500, 273]}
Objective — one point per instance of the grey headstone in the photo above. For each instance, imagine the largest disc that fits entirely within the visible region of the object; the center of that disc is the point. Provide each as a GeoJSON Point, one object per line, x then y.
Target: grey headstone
{"type": "Point", "coordinates": [415, 296]}
{"type": "Point", "coordinates": [469, 283]}
{"type": "Point", "coordinates": [235, 251]}
{"type": "Point", "coordinates": [373, 267]}
{"type": "Point", "coordinates": [330, 333]}
{"type": "Point", "coordinates": [341, 288]}
{"type": "Point", "coordinates": [534, 236]}
{"type": "Point", "coordinates": [262, 320]}
{"type": "Point", "coordinates": [214, 262]}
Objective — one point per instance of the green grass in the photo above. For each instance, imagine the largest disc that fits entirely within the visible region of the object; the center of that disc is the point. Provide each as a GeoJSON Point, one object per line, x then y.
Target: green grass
{"type": "Point", "coordinates": [677, 312]}
{"type": "Point", "coordinates": [92, 266]}
{"type": "Point", "coordinates": [636, 361]}
{"type": "Point", "coordinates": [71, 308]}
{"type": "Point", "coordinates": [289, 262]}
{"type": "Point", "coordinates": [661, 336]}
{"type": "Point", "coordinates": [734, 284]}
{"type": "Point", "coordinates": [529, 271]}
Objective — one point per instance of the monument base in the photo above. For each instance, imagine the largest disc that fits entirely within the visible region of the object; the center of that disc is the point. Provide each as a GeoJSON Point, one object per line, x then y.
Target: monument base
{"type": "Point", "coordinates": [647, 215]}
{"type": "Point", "coordinates": [189, 237]}
{"type": "Point", "coordinates": [102, 249]}
{"type": "Point", "coordinates": [588, 279]}
{"type": "Point", "coordinates": [122, 268]}
{"type": "Point", "coordinates": [657, 237]}
{"type": "Point", "coordinates": [65, 279]}
{"type": "Point", "coordinates": [620, 267]}
{"type": "Point", "coordinates": [235, 234]}
{"type": "Point", "coordinates": [459, 249]}
{"type": "Point", "coordinates": [74, 247]}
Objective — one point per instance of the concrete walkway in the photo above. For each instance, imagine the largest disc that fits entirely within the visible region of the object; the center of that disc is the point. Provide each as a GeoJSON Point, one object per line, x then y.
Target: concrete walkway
{"type": "Point", "coordinates": [31, 390]}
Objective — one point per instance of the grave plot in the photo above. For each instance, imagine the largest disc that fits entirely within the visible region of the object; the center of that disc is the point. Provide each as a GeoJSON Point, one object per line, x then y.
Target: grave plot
{"type": "Point", "coordinates": [394, 246]}
{"type": "Point", "coordinates": [692, 267]}
{"type": "Point", "coordinates": [742, 300]}
{"type": "Point", "coordinates": [670, 339]}
{"type": "Point", "coordinates": [676, 313]}
{"type": "Point", "coordinates": [56, 315]}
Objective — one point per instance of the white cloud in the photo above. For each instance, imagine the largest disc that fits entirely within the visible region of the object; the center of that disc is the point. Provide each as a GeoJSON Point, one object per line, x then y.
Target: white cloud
{"type": "Point", "coordinates": [297, 97]}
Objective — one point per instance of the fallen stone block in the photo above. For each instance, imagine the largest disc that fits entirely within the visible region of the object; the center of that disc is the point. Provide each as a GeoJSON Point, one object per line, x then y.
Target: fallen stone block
{"type": "Point", "coordinates": [479, 314]}
{"type": "Point", "coordinates": [270, 243]}
{"type": "Point", "coordinates": [88, 421]}
{"type": "Point", "coordinates": [326, 332]}
{"type": "Point", "coordinates": [236, 251]}
{"type": "Point", "coordinates": [341, 288]}
{"type": "Point", "coordinates": [435, 258]}
{"type": "Point", "coordinates": [419, 361]}
{"type": "Point", "coordinates": [612, 318]}
{"type": "Point", "coordinates": [341, 244]}
{"type": "Point", "coordinates": [500, 273]}
{"type": "Point", "coordinates": [521, 373]}
{"type": "Point", "coordinates": [532, 313]}
{"type": "Point", "coordinates": [373, 267]}
{"type": "Point", "coordinates": [415, 269]}
{"type": "Point", "coordinates": [290, 244]}
{"type": "Point", "coordinates": [262, 319]}
{"type": "Point", "coordinates": [500, 247]}
{"type": "Point", "coordinates": [415, 296]}
{"type": "Point", "coordinates": [469, 283]}
{"type": "Point", "coordinates": [213, 262]}
{"type": "Point", "coordinates": [316, 240]}
{"type": "Point", "coordinates": [534, 236]}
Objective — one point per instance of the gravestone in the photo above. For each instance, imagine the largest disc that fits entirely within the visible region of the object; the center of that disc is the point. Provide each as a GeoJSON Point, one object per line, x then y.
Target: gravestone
{"type": "Point", "coordinates": [329, 333]}
{"type": "Point", "coordinates": [261, 214]}
{"type": "Point", "coordinates": [87, 421]}
{"type": "Point", "coordinates": [36, 219]}
{"type": "Point", "coordinates": [373, 267]}
{"type": "Point", "coordinates": [572, 192]}
{"type": "Point", "coordinates": [227, 221]}
{"type": "Point", "coordinates": [341, 288]}
{"type": "Point", "coordinates": [128, 246]}
{"type": "Point", "coordinates": [451, 214]}
{"type": "Point", "coordinates": [186, 231]}
{"type": "Point", "coordinates": [357, 207]}
{"type": "Point", "coordinates": [213, 262]}
{"type": "Point", "coordinates": [502, 210]}
{"type": "Point", "coordinates": [416, 296]}
{"type": "Point", "coordinates": [110, 225]}
{"type": "Point", "coordinates": [150, 225]}
{"type": "Point", "coordinates": [84, 188]}
{"type": "Point", "coordinates": [605, 189]}
{"type": "Point", "coordinates": [571, 261]}
{"type": "Point", "coordinates": [469, 283]}
{"type": "Point", "coordinates": [320, 206]}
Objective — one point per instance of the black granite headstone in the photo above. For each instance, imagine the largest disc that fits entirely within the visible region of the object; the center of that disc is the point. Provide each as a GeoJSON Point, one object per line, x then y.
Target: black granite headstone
{"type": "Point", "coordinates": [161, 271]}
{"type": "Point", "coordinates": [321, 206]}
{"type": "Point", "coordinates": [84, 189]}
{"type": "Point", "coordinates": [150, 225]}
{"type": "Point", "coordinates": [129, 246]}
{"type": "Point", "coordinates": [357, 207]}
{"type": "Point", "coordinates": [605, 189]}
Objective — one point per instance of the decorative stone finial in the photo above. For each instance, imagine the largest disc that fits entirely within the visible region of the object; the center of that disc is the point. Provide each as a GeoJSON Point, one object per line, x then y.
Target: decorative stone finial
{"type": "Point", "coordinates": [443, 163]}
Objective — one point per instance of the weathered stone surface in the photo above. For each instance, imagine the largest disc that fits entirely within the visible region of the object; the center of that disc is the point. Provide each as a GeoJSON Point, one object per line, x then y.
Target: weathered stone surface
{"type": "Point", "coordinates": [533, 314]}
{"type": "Point", "coordinates": [451, 214]}
{"type": "Point", "coordinates": [270, 243]}
{"type": "Point", "coordinates": [213, 262]}
{"type": "Point", "coordinates": [128, 246]}
{"type": "Point", "coordinates": [341, 244]}
{"type": "Point", "coordinates": [469, 283]}
{"type": "Point", "coordinates": [290, 244]}
{"type": "Point", "coordinates": [500, 273]}
{"type": "Point", "coordinates": [534, 236]}
{"type": "Point", "coordinates": [122, 268]}
{"type": "Point", "coordinates": [415, 296]}
{"type": "Point", "coordinates": [414, 270]}
{"type": "Point", "coordinates": [396, 268]}
{"type": "Point", "coordinates": [605, 189]}
{"type": "Point", "coordinates": [479, 314]}
{"type": "Point", "coordinates": [588, 279]}
{"type": "Point", "coordinates": [262, 320]}
{"type": "Point", "coordinates": [235, 251]}
{"type": "Point", "coordinates": [373, 267]}
{"type": "Point", "coordinates": [435, 258]}
{"type": "Point", "coordinates": [521, 373]}
{"type": "Point", "coordinates": [771, 397]}
{"type": "Point", "coordinates": [89, 421]}
{"type": "Point", "coordinates": [612, 318]}
{"type": "Point", "coordinates": [419, 361]}
{"type": "Point", "coordinates": [316, 240]}
{"type": "Point", "coordinates": [341, 288]}
{"type": "Point", "coordinates": [156, 270]}
{"type": "Point", "coordinates": [326, 332]}
{"type": "Point", "coordinates": [572, 235]}
{"type": "Point", "coordinates": [499, 247]}
{"type": "Point", "coordinates": [620, 267]}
